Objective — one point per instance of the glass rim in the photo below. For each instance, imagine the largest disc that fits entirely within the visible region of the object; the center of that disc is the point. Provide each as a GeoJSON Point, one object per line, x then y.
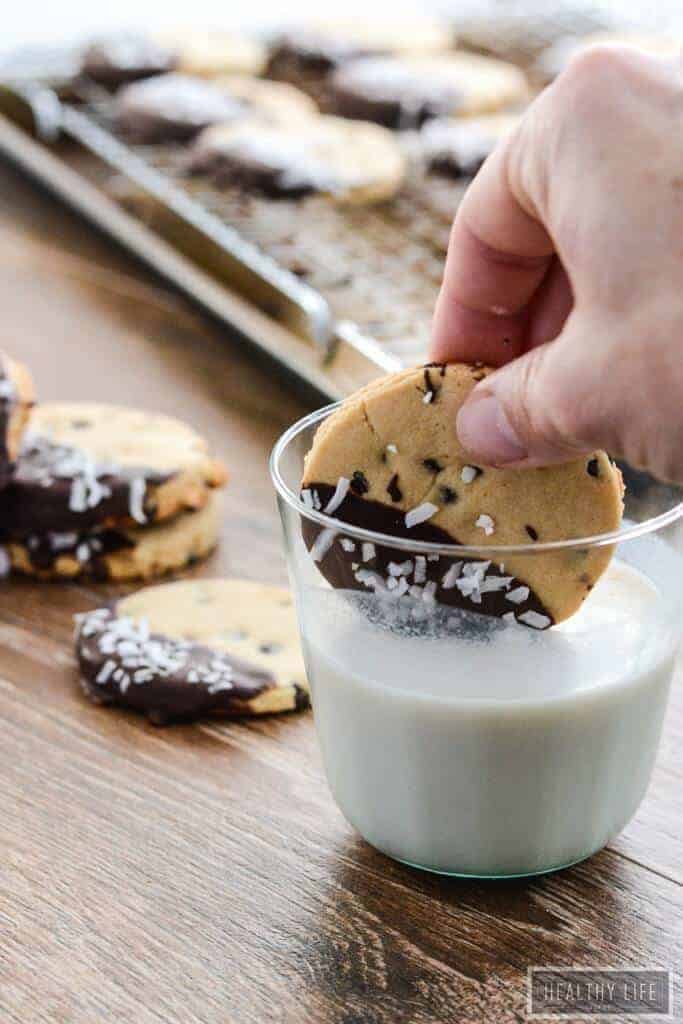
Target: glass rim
{"type": "Point", "coordinates": [624, 533]}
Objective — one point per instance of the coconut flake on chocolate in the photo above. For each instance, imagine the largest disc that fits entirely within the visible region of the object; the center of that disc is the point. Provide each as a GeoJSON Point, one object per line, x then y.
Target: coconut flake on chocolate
{"type": "Point", "coordinates": [347, 544]}
{"type": "Point", "coordinates": [136, 499]}
{"type": "Point", "coordinates": [323, 543]}
{"type": "Point", "coordinates": [368, 551]}
{"type": "Point", "coordinates": [341, 490]}
{"type": "Point", "coordinates": [518, 596]}
{"type": "Point", "coordinates": [420, 514]}
{"type": "Point", "coordinates": [534, 619]}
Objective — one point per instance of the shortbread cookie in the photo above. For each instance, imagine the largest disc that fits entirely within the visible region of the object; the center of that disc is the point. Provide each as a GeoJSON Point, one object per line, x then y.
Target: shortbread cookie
{"type": "Point", "coordinates": [353, 162]}
{"type": "Point", "coordinates": [210, 52]}
{"type": "Point", "coordinates": [457, 147]}
{"type": "Point", "coordinates": [272, 101]}
{"type": "Point", "coordinates": [172, 108]}
{"type": "Point", "coordinates": [404, 92]}
{"type": "Point", "coordinates": [130, 56]}
{"type": "Point", "coordinates": [87, 464]}
{"type": "Point", "coordinates": [119, 553]}
{"type": "Point", "coordinates": [126, 57]}
{"type": "Point", "coordinates": [219, 648]}
{"type": "Point", "coordinates": [389, 461]}
{"type": "Point", "coordinates": [16, 400]}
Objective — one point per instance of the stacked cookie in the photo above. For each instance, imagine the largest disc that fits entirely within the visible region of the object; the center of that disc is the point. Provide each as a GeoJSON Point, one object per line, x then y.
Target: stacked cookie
{"type": "Point", "coordinates": [108, 492]}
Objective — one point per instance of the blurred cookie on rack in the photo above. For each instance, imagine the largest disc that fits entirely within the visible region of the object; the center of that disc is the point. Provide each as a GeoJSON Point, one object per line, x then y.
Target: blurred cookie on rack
{"type": "Point", "coordinates": [115, 60]}
{"type": "Point", "coordinates": [16, 401]}
{"type": "Point", "coordinates": [176, 107]}
{"type": "Point", "coordinates": [353, 162]}
{"type": "Point", "coordinates": [172, 108]}
{"type": "Point", "coordinates": [222, 648]}
{"type": "Point", "coordinates": [306, 54]}
{"type": "Point", "coordinates": [457, 147]}
{"type": "Point", "coordinates": [403, 93]}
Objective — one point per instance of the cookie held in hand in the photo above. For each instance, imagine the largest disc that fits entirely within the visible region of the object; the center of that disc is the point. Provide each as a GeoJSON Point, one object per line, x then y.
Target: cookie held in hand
{"type": "Point", "coordinates": [200, 648]}
{"type": "Point", "coordinates": [389, 460]}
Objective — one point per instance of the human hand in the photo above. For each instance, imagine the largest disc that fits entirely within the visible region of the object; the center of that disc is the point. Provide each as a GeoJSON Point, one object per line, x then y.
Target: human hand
{"type": "Point", "coordinates": [565, 268]}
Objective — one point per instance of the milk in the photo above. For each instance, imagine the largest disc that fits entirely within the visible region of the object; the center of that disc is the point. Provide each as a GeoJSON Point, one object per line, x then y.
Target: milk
{"type": "Point", "coordinates": [467, 745]}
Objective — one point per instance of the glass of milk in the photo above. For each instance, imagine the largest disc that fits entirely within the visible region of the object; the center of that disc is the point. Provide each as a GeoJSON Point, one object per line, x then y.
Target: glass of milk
{"type": "Point", "coordinates": [473, 746]}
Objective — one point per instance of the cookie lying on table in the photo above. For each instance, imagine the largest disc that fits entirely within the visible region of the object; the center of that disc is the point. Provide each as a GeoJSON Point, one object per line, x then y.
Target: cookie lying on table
{"type": "Point", "coordinates": [389, 460]}
{"type": "Point", "coordinates": [219, 648]}
{"type": "Point", "coordinates": [86, 464]}
{"type": "Point", "coordinates": [118, 552]}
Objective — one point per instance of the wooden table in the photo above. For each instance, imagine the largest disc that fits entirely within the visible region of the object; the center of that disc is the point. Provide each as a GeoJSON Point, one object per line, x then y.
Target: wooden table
{"type": "Point", "coordinates": [202, 873]}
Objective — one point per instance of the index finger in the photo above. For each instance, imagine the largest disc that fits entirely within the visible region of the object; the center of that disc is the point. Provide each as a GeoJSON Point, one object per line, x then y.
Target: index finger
{"type": "Point", "coordinates": [498, 255]}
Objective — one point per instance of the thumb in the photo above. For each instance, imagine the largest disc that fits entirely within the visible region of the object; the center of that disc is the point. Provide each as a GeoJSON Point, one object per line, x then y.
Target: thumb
{"type": "Point", "coordinates": [545, 406]}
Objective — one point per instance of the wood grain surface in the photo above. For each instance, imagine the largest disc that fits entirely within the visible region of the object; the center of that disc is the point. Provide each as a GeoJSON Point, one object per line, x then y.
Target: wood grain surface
{"type": "Point", "coordinates": [202, 873]}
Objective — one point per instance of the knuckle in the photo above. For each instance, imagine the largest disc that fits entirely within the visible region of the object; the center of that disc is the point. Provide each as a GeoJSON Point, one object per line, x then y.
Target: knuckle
{"type": "Point", "coordinates": [596, 72]}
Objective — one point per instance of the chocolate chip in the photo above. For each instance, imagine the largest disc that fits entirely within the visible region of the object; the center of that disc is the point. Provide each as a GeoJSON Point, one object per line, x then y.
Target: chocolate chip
{"type": "Point", "coordinates": [593, 467]}
{"type": "Point", "coordinates": [432, 465]}
{"type": "Point", "coordinates": [430, 388]}
{"type": "Point", "coordinates": [532, 533]}
{"type": "Point", "coordinates": [448, 495]}
{"type": "Point", "coordinates": [441, 367]}
{"type": "Point", "coordinates": [393, 490]}
{"type": "Point", "coordinates": [270, 648]}
{"type": "Point", "coordinates": [359, 483]}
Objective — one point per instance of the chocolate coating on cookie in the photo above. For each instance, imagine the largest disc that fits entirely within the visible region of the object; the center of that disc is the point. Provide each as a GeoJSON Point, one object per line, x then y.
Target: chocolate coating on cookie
{"type": "Point", "coordinates": [469, 584]}
{"type": "Point", "coordinates": [310, 50]}
{"type": "Point", "coordinates": [392, 93]}
{"type": "Point", "coordinates": [88, 548]}
{"type": "Point", "coordinates": [58, 488]}
{"type": "Point", "coordinates": [172, 108]}
{"type": "Point", "coordinates": [165, 678]}
{"type": "Point", "coordinates": [458, 148]}
{"type": "Point", "coordinates": [8, 400]}
{"type": "Point", "coordinates": [127, 57]}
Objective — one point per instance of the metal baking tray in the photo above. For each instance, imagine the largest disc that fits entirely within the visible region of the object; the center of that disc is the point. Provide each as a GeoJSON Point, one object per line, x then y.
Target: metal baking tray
{"type": "Point", "coordinates": [336, 294]}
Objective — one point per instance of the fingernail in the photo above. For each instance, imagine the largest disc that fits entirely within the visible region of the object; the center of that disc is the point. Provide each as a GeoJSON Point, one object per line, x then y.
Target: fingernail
{"type": "Point", "coordinates": [485, 431]}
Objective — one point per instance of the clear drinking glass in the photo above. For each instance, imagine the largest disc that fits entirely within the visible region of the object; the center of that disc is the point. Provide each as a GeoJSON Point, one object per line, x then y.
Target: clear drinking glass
{"type": "Point", "coordinates": [471, 745]}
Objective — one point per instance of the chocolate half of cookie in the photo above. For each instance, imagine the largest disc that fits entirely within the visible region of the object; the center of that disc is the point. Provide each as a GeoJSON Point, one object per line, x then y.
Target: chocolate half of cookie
{"type": "Point", "coordinates": [126, 57]}
{"type": "Point", "coordinates": [16, 401]}
{"type": "Point", "coordinates": [169, 677]}
{"type": "Point", "coordinates": [393, 92]}
{"type": "Point", "coordinates": [172, 108]}
{"type": "Point", "coordinates": [59, 488]}
{"type": "Point", "coordinates": [393, 574]}
{"type": "Point", "coordinates": [457, 148]}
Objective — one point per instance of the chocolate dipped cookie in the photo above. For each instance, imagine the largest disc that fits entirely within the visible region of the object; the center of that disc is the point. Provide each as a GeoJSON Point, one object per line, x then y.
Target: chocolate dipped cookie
{"type": "Point", "coordinates": [389, 460]}
{"type": "Point", "coordinates": [349, 161]}
{"type": "Point", "coordinates": [201, 648]}
{"type": "Point", "coordinates": [117, 552]}
{"type": "Point", "coordinates": [403, 93]}
{"type": "Point", "coordinates": [86, 465]}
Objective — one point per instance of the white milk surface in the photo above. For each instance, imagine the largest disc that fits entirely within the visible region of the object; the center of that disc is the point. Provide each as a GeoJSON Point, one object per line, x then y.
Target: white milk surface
{"type": "Point", "coordinates": [495, 750]}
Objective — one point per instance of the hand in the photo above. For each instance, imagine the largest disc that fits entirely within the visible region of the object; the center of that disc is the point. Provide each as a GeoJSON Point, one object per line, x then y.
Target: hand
{"type": "Point", "coordinates": [565, 268]}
